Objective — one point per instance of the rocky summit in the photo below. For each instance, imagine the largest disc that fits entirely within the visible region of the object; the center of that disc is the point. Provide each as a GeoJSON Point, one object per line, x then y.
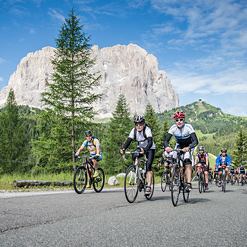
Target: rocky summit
{"type": "Point", "coordinates": [127, 70]}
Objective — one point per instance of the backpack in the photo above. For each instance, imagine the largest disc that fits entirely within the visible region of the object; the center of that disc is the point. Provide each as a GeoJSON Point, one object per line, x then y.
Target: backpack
{"type": "Point", "coordinates": [144, 132]}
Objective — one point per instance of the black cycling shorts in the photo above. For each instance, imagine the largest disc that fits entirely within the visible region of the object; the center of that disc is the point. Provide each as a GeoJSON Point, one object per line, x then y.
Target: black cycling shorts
{"type": "Point", "coordinates": [150, 158]}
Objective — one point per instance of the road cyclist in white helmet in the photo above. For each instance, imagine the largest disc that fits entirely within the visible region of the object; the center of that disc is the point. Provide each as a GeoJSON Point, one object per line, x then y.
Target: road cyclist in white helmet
{"type": "Point", "coordinates": [142, 134]}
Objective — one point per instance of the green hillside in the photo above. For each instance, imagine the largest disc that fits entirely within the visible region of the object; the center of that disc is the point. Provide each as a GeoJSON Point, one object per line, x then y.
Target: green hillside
{"type": "Point", "coordinates": [214, 128]}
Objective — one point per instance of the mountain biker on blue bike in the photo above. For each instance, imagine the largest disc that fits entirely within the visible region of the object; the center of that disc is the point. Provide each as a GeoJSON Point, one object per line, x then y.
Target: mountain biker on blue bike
{"type": "Point", "coordinates": [202, 160]}
{"type": "Point", "coordinates": [223, 159]}
{"type": "Point", "coordinates": [186, 140]}
{"type": "Point", "coordinates": [93, 146]}
{"type": "Point", "coordinates": [142, 134]}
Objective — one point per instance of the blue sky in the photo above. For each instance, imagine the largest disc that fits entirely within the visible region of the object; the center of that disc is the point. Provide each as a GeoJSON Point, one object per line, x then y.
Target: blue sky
{"type": "Point", "coordinates": [202, 45]}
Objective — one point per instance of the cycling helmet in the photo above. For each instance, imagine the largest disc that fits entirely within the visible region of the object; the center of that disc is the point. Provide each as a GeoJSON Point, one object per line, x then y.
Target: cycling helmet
{"type": "Point", "coordinates": [201, 148]}
{"type": "Point", "coordinates": [179, 114]}
{"type": "Point", "coordinates": [241, 166]}
{"type": "Point", "coordinates": [139, 119]}
{"type": "Point", "coordinates": [88, 133]}
{"type": "Point", "coordinates": [223, 150]}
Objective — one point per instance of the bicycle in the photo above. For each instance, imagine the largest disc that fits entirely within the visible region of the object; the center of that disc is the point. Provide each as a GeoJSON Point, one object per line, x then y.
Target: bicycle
{"type": "Point", "coordinates": [223, 178]}
{"type": "Point", "coordinates": [201, 180]}
{"type": "Point", "coordinates": [242, 181]}
{"type": "Point", "coordinates": [135, 179]}
{"type": "Point", "coordinates": [178, 183]}
{"type": "Point", "coordinates": [216, 179]}
{"type": "Point", "coordinates": [84, 172]}
{"type": "Point", "coordinates": [166, 179]}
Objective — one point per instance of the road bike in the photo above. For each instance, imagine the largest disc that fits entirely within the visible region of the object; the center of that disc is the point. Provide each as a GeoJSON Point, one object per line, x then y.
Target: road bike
{"type": "Point", "coordinates": [232, 180]}
{"type": "Point", "coordinates": [166, 178]}
{"type": "Point", "coordinates": [223, 178]}
{"type": "Point", "coordinates": [135, 178]}
{"type": "Point", "coordinates": [85, 173]}
{"type": "Point", "coordinates": [201, 180]}
{"type": "Point", "coordinates": [178, 183]}
{"type": "Point", "coordinates": [242, 180]}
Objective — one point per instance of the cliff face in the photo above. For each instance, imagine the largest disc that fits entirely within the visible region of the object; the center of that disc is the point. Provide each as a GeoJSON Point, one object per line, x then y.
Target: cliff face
{"type": "Point", "coordinates": [127, 70]}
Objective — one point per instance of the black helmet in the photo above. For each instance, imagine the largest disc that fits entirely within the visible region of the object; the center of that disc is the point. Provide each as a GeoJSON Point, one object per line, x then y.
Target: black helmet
{"type": "Point", "coordinates": [139, 119]}
{"type": "Point", "coordinates": [88, 133]}
{"type": "Point", "coordinates": [201, 148]}
{"type": "Point", "coordinates": [223, 150]}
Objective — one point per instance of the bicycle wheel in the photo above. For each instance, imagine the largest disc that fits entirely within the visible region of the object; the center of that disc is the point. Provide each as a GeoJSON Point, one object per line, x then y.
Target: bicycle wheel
{"type": "Point", "coordinates": [175, 185]}
{"type": "Point", "coordinates": [200, 183]}
{"type": "Point", "coordinates": [186, 193]}
{"type": "Point", "coordinates": [203, 183]}
{"type": "Point", "coordinates": [131, 184]}
{"type": "Point", "coordinates": [163, 181]}
{"type": "Point", "coordinates": [80, 179]}
{"type": "Point", "coordinates": [223, 183]}
{"type": "Point", "coordinates": [99, 181]}
{"type": "Point", "coordinates": [148, 197]}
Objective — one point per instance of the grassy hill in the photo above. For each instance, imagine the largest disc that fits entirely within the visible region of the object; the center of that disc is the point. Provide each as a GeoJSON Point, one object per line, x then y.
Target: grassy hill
{"type": "Point", "coordinates": [214, 128]}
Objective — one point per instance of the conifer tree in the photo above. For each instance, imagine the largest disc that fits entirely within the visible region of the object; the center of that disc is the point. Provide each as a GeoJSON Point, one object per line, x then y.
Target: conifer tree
{"type": "Point", "coordinates": [116, 134]}
{"type": "Point", "coordinates": [240, 153]}
{"type": "Point", "coordinates": [69, 97]}
{"type": "Point", "coordinates": [152, 122]}
{"type": "Point", "coordinates": [14, 141]}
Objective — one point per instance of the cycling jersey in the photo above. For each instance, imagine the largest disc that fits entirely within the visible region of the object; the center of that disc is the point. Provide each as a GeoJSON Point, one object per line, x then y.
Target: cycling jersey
{"type": "Point", "coordinates": [185, 136]}
{"type": "Point", "coordinates": [140, 137]}
{"type": "Point", "coordinates": [91, 146]}
{"type": "Point", "coordinates": [232, 171]}
{"type": "Point", "coordinates": [202, 157]}
{"type": "Point", "coordinates": [241, 170]}
{"type": "Point", "coordinates": [223, 160]}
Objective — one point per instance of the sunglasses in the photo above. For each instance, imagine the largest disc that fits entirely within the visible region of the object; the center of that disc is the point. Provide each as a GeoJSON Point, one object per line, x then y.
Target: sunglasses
{"type": "Point", "coordinates": [179, 120]}
{"type": "Point", "coordinates": [88, 135]}
{"type": "Point", "coordinates": [139, 124]}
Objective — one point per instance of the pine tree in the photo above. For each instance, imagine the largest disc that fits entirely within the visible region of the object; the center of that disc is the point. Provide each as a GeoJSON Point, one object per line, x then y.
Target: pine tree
{"type": "Point", "coordinates": [240, 153]}
{"type": "Point", "coordinates": [117, 133]}
{"type": "Point", "coordinates": [153, 123]}
{"type": "Point", "coordinates": [69, 97]}
{"type": "Point", "coordinates": [14, 141]}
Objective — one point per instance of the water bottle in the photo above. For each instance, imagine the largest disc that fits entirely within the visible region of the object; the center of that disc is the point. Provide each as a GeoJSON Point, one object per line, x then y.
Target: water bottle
{"type": "Point", "coordinates": [140, 169]}
{"type": "Point", "coordinates": [143, 173]}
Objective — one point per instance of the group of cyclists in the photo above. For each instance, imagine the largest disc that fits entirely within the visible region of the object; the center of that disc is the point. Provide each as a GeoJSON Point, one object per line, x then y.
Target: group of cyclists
{"type": "Point", "coordinates": [186, 140]}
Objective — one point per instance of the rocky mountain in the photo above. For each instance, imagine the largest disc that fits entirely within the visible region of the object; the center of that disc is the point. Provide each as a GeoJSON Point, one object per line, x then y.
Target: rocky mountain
{"type": "Point", "coordinates": [127, 70]}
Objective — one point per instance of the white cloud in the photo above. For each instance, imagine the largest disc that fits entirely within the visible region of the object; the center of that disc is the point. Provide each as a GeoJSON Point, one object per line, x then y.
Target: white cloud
{"type": "Point", "coordinates": [1, 79]}
{"type": "Point", "coordinates": [56, 15]}
{"type": "Point", "coordinates": [237, 111]}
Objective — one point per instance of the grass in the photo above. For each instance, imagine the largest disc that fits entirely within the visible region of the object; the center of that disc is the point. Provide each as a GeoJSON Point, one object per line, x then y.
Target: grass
{"type": "Point", "coordinates": [6, 181]}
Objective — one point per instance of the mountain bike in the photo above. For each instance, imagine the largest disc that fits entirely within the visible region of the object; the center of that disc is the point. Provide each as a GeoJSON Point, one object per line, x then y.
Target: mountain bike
{"type": "Point", "coordinates": [135, 178]}
{"type": "Point", "coordinates": [166, 178]}
{"type": "Point", "coordinates": [178, 183]}
{"type": "Point", "coordinates": [84, 173]}
{"type": "Point", "coordinates": [201, 180]}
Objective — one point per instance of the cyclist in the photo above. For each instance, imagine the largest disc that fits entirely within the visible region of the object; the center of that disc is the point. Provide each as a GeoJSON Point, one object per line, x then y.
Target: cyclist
{"type": "Point", "coordinates": [186, 140]}
{"type": "Point", "coordinates": [169, 161]}
{"type": "Point", "coordinates": [241, 171]}
{"type": "Point", "coordinates": [223, 159]}
{"type": "Point", "coordinates": [232, 174]}
{"type": "Point", "coordinates": [202, 160]}
{"type": "Point", "coordinates": [216, 171]}
{"type": "Point", "coordinates": [142, 134]}
{"type": "Point", "coordinates": [93, 146]}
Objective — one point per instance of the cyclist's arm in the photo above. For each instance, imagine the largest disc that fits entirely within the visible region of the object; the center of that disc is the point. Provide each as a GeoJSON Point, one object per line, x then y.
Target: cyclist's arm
{"type": "Point", "coordinates": [98, 150]}
{"type": "Point", "coordinates": [127, 143]}
{"type": "Point", "coordinates": [166, 141]}
{"type": "Point", "coordinates": [80, 149]}
{"type": "Point", "coordinates": [149, 145]}
{"type": "Point", "coordinates": [207, 161]}
{"type": "Point", "coordinates": [196, 160]}
{"type": "Point", "coordinates": [194, 140]}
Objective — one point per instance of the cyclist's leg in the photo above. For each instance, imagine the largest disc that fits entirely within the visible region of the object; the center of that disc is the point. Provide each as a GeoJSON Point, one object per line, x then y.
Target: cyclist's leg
{"type": "Point", "coordinates": [150, 159]}
{"type": "Point", "coordinates": [226, 172]}
{"type": "Point", "coordinates": [206, 169]}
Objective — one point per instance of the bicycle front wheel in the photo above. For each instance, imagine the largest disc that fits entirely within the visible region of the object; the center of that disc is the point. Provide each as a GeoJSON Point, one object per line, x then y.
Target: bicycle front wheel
{"type": "Point", "coordinates": [175, 185]}
{"type": "Point", "coordinates": [99, 181]}
{"type": "Point", "coordinates": [200, 183]}
{"type": "Point", "coordinates": [131, 184]}
{"type": "Point", "coordinates": [164, 181]}
{"type": "Point", "coordinates": [223, 183]}
{"type": "Point", "coordinates": [152, 189]}
{"type": "Point", "coordinates": [80, 179]}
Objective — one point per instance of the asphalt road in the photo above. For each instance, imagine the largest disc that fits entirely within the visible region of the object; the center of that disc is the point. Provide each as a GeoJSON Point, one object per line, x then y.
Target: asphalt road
{"type": "Point", "coordinates": [66, 219]}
